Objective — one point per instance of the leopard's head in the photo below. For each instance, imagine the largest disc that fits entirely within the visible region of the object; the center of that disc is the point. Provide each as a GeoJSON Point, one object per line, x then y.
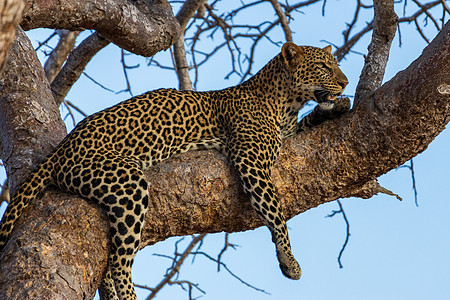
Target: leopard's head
{"type": "Point", "coordinates": [315, 74]}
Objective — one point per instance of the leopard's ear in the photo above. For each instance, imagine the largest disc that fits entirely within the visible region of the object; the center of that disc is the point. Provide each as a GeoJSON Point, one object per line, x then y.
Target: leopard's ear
{"type": "Point", "coordinates": [292, 55]}
{"type": "Point", "coordinates": [327, 49]}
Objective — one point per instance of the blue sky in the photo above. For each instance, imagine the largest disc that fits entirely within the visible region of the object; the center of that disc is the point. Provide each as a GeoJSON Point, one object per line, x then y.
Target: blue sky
{"type": "Point", "coordinates": [396, 250]}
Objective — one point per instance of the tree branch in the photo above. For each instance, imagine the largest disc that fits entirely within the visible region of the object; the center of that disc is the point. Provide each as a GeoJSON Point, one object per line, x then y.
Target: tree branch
{"type": "Point", "coordinates": [347, 225]}
{"type": "Point", "coordinates": [186, 12]}
{"type": "Point", "coordinates": [30, 122]}
{"type": "Point", "coordinates": [31, 127]}
{"type": "Point", "coordinates": [10, 16]}
{"type": "Point", "coordinates": [384, 27]}
{"type": "Point", "coordinates": [135, 26]}
{"type": "Point", "coordinates": [75, 65]}
{"type": "Point", "coordinates": [59, 55]}
{"type": "Point", "coordinates": [177, 262]}
{"type": "Point", "coordinates": [283, 20]}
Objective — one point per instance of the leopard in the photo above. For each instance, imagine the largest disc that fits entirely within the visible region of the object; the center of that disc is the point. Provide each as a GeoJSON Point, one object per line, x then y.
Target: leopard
{"type": "Point", "coordinates": [104, 157]}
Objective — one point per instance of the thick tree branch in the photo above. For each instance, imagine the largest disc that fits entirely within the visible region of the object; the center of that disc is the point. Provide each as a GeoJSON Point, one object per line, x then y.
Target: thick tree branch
{"type": "Point", "coordinates": [186, 12]}
{"type": "Point", "coordinates": [141, 27]}
{"type": "Point", "coordinates": [384, 26]}
{"type": "Point", "coordinates": [10, 16]}
{"type": "Point", "coordinates": [181, 65]}
{"type": "Point", "coordinates": [75, 65]}
{"type": "Point", "coordinates": [31, 127]}
{"type": "Point", "coordinates": [197, 192]}
{"type": "Point", "coordinates": [59, 55]}
{"type": "Point", "coordinates": [30, 123]}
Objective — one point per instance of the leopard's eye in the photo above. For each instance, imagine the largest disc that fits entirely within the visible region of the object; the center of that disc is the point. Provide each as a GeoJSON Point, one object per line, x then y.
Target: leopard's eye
{"type": "Point", "coordinates": [322, 65]}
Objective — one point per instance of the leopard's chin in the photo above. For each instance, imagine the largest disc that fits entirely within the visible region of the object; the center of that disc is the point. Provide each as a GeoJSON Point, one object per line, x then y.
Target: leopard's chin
{"type": "Point", "coordinates": [327, 105]}
{"type": "Point", "coordinates": [325, 99]}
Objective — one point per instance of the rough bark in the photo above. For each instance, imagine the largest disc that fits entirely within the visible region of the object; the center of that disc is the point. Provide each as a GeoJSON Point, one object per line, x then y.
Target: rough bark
{"type": "Point", "coordinates": [31, 127]}
{"type": "Point", "coordinates": [141, 27]}
{"type": "Point", "coordinates": [30, 123]}
{"type": "Point", "coordinates": [65, 256]}
{"type": "Point", "coordinates": [59, 55]}
{"type": "Point", "coordinates": [197, 191]}
{"type": "Point", "coordinates": [384, 27]}
{"type": "Point", "coordinates": [372, 74]}
{"type": "Point", "coordinates": [75, 65]}
{"type": "Point", "coordinates": [186, 12]}
{"type": "Point", "coordinates": [10, 16]}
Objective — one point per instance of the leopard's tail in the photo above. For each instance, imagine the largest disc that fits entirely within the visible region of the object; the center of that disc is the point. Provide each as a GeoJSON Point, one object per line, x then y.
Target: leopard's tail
{"type": "Point", "coordinates": [36, 182]}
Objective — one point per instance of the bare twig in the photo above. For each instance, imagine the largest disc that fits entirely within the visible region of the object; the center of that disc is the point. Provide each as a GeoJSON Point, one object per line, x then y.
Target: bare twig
{"type": "Point", "coordinates": [283, 20]}
{"type": "Point", "coordinates": [69, 103]}
{"type": "Point", "coordinates": [366, 191]}
{"type": "Point", "coordinates": [429, 15]}
{"type": "Point", "coordinates": [422, 10]}
{"type": "Point", "coordinates": [413, 179]}
{"type": "Point", "coordinates": [191, 287]}
{"type": "Point", "coordinates": [347, 224]}
{"type": "Point", "coordinates": [343, 50]}
{"type": "Point", "coordinates": [69, 113]}
{"type": "Point", "coordinates": [351, 25]}
{"type": "Point", "coordinates": [178, 260]}
{"type": "Point", "coordinates": [240, 41]}
{"type": "Point", "coordinates": [230, 272]}
{"type": "Point", "coordinates": [225, 247]}
{"type": "Point", "coordinates": [349, 42]}
{"type": "Point", "coordinates": [323, 7]}
{"type": "Point", "coordinates": [214, 23]}
{"type": "Point", "coordinates": [446, 9]}
{"type": "Point", "coordinates": [98, 83]}
{"type": "Point", "coordinates": [40, 44]}
{"type": "Point", "coordinates": [125, 69]}
{"type": "Point", "coordinates": [420, 31]}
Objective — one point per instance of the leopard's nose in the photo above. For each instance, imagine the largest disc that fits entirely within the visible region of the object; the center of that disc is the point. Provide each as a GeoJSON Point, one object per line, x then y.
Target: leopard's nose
{"type": "Point", "coordinates": [343, 84]}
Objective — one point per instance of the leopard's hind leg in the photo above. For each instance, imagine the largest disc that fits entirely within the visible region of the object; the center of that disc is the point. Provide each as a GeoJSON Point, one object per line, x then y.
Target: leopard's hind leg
{"type": "Point", "coordinates": [117, 183]}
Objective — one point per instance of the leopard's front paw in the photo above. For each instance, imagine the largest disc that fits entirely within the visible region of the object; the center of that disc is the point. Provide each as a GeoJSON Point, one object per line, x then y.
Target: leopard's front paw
{"type": "Point", "coordinates": [341, 105]}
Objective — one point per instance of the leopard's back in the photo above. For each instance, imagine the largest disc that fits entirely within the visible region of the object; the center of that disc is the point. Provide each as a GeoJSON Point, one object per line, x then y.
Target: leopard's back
{"type": "Point", "coordinates": [149, 128]}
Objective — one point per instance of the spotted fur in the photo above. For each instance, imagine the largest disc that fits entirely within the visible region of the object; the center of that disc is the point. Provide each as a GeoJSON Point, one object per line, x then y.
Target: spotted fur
{"type": "Point", "coordinates": [104, 157]}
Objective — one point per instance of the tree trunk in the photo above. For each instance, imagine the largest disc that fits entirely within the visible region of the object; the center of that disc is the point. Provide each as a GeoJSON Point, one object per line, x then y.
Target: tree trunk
{"type": "Point", "coordinates": [58, 248]}
{"type": "Point", "coordinates": [30, 122]}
